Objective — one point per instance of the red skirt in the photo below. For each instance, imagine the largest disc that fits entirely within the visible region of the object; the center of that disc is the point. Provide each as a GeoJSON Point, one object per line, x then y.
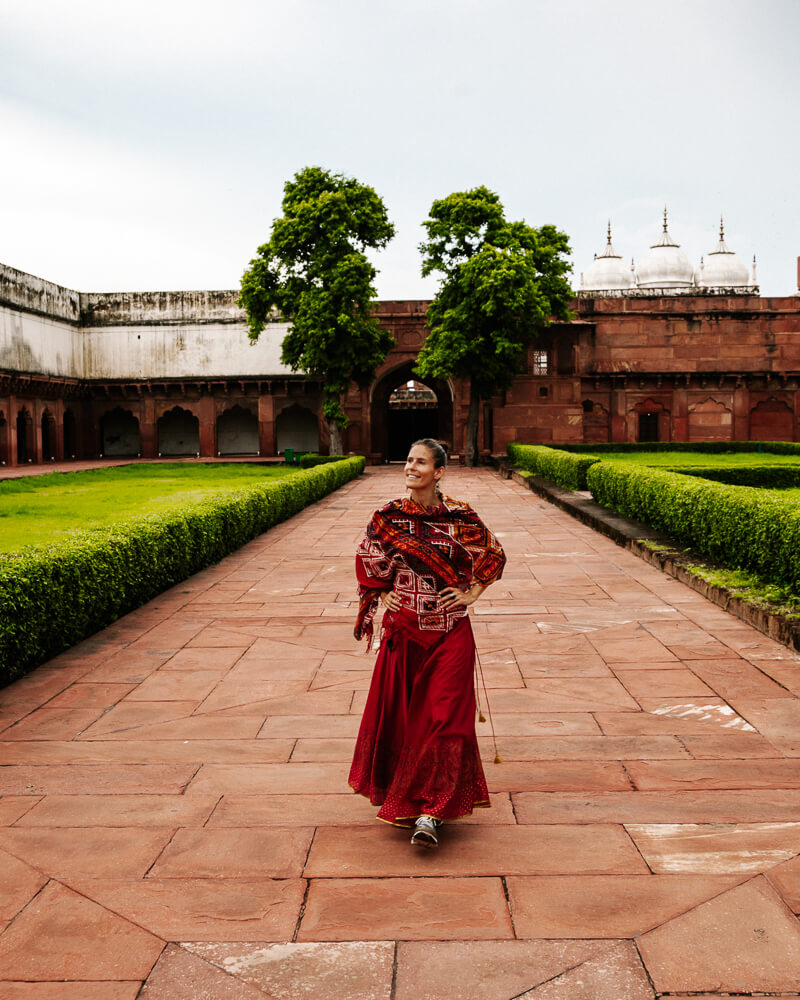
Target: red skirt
{"type": "Point", "coordinates": [416, 750]}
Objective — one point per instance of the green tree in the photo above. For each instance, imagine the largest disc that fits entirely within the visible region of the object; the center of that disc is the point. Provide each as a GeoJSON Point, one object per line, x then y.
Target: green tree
{"type": "Point", "coordinates": [314, 272]}
{"type": "Point", "coordinates": [502, 284]}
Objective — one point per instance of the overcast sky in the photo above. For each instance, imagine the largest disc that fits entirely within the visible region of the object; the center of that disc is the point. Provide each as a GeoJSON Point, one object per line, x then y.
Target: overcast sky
{"type": "Point", "coordinates": [145, 144]}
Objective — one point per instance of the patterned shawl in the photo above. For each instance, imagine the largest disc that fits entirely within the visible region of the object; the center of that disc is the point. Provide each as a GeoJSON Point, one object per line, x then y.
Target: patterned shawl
{"type": "Point", "coordinates": [443, 546]}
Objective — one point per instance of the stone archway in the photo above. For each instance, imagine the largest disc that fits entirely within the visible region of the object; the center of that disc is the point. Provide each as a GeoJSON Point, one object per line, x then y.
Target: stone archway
{"type": "Point", "coordinates": [771, 420]}
{"type": "Point", "coordinates": [178, 432]}
{"type": "Point", "coordinates": [296, 427]}
{"type": "Point", "coordinates": [25, 452]}
{"type": "Point", "coordinates": [48, 437]}
{"type": "Point", "coordinates": [119, 433]}
{"type": "Point", "coordinates": [399, 417]}
{"type": "Point", "coordinates": [237, 432]}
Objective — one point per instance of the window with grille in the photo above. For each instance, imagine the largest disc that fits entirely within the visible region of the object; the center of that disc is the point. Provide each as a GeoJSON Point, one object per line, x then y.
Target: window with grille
{"type": "Point", "coordinates": [540, 363]}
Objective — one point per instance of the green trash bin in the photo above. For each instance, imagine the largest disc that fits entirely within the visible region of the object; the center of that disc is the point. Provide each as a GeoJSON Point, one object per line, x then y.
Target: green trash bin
{"type": "Point", "coordinates": [288, 456]}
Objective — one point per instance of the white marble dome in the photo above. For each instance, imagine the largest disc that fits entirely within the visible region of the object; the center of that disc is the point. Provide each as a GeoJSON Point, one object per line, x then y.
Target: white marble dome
{"type": "Point", "coordinates": [722, 268]}
{"type": "Point", "coordinates": [607, 272]}
{"type": "Point", "coordinates": [665, 265]}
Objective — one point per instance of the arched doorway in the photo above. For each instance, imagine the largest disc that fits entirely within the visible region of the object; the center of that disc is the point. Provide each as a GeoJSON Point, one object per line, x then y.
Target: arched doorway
{"type": "Point", "coordinates": [119, 433]}
{"type": "Point", "coordinates": [178, 432]}
{"type": "Point", "coordinates": [771, 420]}
{"type": "Point", "coordinates": [48, 436]}
{"type": "Point", "coordinates": [237, 432]}
{"type": "Point", "coordinates": [24, 437]}
{"type": "Point", "coordinates": [70, 435]}
{"type": "Point", "coordinates": [403, 408]}
{"type": "Point", "coordinates": [297, 428]}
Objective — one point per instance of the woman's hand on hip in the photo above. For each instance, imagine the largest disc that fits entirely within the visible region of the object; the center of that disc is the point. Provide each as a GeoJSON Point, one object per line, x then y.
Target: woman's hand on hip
{"type": "Point", "coordinates": [452, 597]}
{"type": "Point", "coordinates": [391, 601]}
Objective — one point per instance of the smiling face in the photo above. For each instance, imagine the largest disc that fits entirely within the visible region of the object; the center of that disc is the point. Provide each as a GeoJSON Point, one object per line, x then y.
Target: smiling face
{"type": "Point", "coordinates": [421, 475]}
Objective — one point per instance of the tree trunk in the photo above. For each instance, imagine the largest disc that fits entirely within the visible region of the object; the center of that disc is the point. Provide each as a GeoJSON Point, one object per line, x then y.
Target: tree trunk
{"type": "Point", "coordinates": [336, 438]}
{"type": "Point", "coordinates": [471, 442]}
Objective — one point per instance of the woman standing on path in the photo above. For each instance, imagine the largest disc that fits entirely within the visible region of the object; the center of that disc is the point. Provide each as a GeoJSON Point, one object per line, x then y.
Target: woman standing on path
{"type": "Point", "coordinates": [426, 558]}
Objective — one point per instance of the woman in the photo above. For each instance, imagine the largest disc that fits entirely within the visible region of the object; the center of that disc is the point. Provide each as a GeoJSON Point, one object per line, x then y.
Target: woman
{"type": "Point", "coordinates": [427, 558]}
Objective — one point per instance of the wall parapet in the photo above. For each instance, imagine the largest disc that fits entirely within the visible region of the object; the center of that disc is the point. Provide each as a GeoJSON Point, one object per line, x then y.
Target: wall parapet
{"type": "Point", "coordinates": [26, 292]}
{"type": "Point", "coordinates": [159, 308]}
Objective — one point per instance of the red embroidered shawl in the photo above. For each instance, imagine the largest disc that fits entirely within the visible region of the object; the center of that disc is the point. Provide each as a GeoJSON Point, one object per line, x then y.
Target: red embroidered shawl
{"type": "Point", "coordinates": [418, 551]}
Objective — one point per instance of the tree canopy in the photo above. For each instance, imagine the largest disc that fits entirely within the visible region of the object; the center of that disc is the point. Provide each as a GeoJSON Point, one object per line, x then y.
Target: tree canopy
{"type": "Point", "coordinates": [502, 283]}
{"type": "Point", "coordinates": [314, 271]}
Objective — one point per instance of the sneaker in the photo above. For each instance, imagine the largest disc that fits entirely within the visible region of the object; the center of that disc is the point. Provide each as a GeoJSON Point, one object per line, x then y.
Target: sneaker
{"type": "Point", "coordinates": [425, 832]}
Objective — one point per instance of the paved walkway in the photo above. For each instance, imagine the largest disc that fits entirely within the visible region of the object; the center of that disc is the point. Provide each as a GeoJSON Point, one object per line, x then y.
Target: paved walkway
{"type": "Point", "coordinates": [174, 806]}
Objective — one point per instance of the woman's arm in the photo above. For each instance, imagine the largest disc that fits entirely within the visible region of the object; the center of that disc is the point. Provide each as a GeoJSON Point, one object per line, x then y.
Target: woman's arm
{"type": "Point", "coordinates": [452, 597]}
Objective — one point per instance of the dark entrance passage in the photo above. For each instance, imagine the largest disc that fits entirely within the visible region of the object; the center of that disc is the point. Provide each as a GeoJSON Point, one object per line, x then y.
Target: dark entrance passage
{"type": "Point", "coordinates": [403, 409]}
{"type": "Point", "coordinates": [413, 413]}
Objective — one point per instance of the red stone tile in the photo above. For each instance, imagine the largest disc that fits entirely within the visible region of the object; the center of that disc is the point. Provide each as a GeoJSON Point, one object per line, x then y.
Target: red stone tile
{"type": "Point", "coordinates": [18, 884]}
{"type": "Point", "coordinates": [196, 728]}
{"type": "Point", "coordinates": [743, 941]}
{"type": "Point", "coordinates": [785, 671]}
{"type": "Point", "coordinates": [86, 695]}
{"type": "Point", "coordinates": [350, 680]}
{"type": "Point", "coordinates": [172, 748]}
{"type": "Point", "coordinates": [61, 935]}
{"type": "Point", "coordinates": [602, 906]}
{"type": "Point", "coordinates": [171, 685]}
{"type": "Point", "coordinates": [785, 879]}
{"type": "Point", "coordinates": [323, 750]}
{"type": "Point", "coordinates": [182, 976]}
{"type": "Point", "coordinates": [71, 991]}
{"type": "Point", "coordinates": [430, 909]}
{"type": "Point", "coordinates": [310, 726]}
{"type": "Point", "coordinates": [268, 779]}
{"type": "Point", "coordinates": [709, 719]}
{"type": "Point", "coordinates": [13, 807]}
{"type": "Point", "coordinates": [728, 745]}
{"type": "Point", "coordinates": [203, 909]}
{"type": "Point", "coordinates": [541, 665]}
{"type": "Point", "coordinates": [234, 853]}
{"type": "Point", "coordinates": [735, 680]}
{"type": "Point", "coordinates": [640, 647]}
{"type": "Point", "coordinates": [161, 811]}
{"type": "Point", "coordinates": [565, 694]}
{"type": "Point", "coordinates": [351, 970]}
{"type": "Point", "coordinates": [490, 970]}
{"type": "Point", "coordinates": [53, 724]}
{"type": "Point", "coordinates": [763, 773]}
{"type": "Point", "coordinates": [310, 703]}
{"type": "Point", "coordinates": [77, 779]}
{"type": "Point", "coordinates": [615, 974]}
{"type": "Point", "coordinates": [674, 683]}
{"type": "Point", "coordinates": [193, 658]}
{"type": "Point", "coordinates": [86, 852]}
{"type": "Point", "coordinates": [40, 685]}
{"type": "Point", "coordinates": [716, 848]}
{"type": "Point", "coordinates": [129, 715]}
{"type": "Point", "coordinates": [539, 724]}
{"type": "Point", "coordinates": [131, 666]}
{"type": "Point", "coordinates": [594, 748]}
{"type": "Point", "coordinates": [709, 806]}
{"type": "Point", "coordinates": [474, 850]}
{"type": "Point", "coordinates": [775, 718]}
{"type": "Point", "coordinates": [556, 776]}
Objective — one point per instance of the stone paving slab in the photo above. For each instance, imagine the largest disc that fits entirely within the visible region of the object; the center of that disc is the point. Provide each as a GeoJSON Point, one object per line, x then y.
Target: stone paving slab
{"type": "Point", "coordinates": [175, 820]}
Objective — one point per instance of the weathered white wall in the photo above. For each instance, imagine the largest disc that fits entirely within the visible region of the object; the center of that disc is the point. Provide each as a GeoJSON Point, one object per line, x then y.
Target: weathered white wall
{"type": "Point", "coordinates": [187, 351]}
{"type": "Point", "coordinates": [49, 330]}
{"type": "Point", "coordinates": [38, 345]}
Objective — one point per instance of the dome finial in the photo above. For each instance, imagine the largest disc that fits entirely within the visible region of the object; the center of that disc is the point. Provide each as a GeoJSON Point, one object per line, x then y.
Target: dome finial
{"type": "Point", "coordinates": [721, 228]}
{"type": "Point", "coordinates": [665, 218]}
{"type": "Point", "coordinates": [609, 232]}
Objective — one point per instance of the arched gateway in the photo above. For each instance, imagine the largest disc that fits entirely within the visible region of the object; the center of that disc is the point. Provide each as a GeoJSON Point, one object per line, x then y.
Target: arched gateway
{"type": "Point", "coordinates": [399, 414]}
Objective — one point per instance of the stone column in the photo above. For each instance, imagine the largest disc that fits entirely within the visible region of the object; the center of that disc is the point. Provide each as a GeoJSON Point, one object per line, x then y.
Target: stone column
{"type": "Point", "coordinates": [148, 431]}
{"type": "Point", "coordinates": [266, 425]}
{"type": "Point", "coordinates": [206, 414]}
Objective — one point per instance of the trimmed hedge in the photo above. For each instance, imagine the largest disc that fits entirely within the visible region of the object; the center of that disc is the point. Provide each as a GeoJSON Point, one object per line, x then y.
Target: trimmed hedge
{"type": "Point", "coordinates": [562, 467]}
{"type": "Point", "coordinates": [757, 530]}
{"type": "Point", "coordinates": [766, 477]}
{"type": "Point", "coordinates": [710, 447]}
{"type": "Point", "coordinates": [310, 459]}
{"type": "Point", "coordinates": [51, 598]}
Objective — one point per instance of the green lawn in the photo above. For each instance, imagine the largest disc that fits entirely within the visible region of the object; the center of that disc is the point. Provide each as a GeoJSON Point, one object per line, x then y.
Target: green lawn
{"type": "Point", "coordinates": [38, 510]}
{"type": "Point", "coordinates": [705, 459]}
